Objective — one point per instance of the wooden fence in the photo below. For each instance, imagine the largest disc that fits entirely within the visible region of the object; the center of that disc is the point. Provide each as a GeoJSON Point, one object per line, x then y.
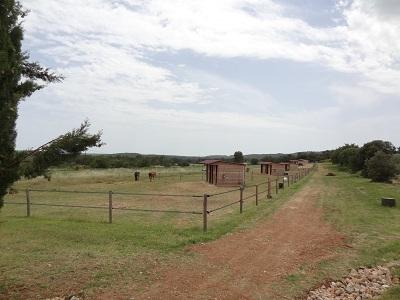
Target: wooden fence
{"type": "Point", "coordinates": [267, 188]}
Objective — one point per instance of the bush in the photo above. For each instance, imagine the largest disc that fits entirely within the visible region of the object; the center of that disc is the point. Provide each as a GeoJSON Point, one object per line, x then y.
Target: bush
{"type": "Point", "coordinates": [254, 161]}
{"type": "Point", "coordinates": [396, 161]}
{"type": "Point", "coordinates": [368, 150]}
{"type": "Point", "coordinates": [381, 167]}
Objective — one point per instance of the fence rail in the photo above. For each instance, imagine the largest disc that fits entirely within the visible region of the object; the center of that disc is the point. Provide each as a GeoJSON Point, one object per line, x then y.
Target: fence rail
{"type": "Point", "coordinates": [280, 183]}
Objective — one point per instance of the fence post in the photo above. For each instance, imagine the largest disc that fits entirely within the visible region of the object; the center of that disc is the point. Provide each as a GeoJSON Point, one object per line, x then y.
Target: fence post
{"type": "Point", "coordinates": [276, 186]}
{"type": "Point", "coordinates": [256, 194]}
{"type": "Point", "coordinates": [241, 199]}
{"type": "Point", "coordinates": [110, 206]}
{"type": "Point", "coordinates": [180, 177]}
{"type": "Point", "coordinates": [205, 212]}
{"type": "Point", "coordinates": [28, 203]}
{"type": "Point", "coordinates": [269, 196]}
{"type": "Point", "coordinates": [288, 180]}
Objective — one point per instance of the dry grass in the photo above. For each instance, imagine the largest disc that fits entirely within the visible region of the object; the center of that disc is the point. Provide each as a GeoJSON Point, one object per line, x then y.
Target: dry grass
{"type": "Point", "coordinates": [60, 251]}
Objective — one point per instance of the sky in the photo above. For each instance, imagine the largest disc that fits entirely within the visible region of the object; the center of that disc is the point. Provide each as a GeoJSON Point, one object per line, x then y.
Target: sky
{"type": "Point", "coordinates": [202, 77]}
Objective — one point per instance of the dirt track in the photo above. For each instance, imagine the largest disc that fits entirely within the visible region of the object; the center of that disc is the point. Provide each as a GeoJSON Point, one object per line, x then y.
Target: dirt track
{"type": "Point", "coordinates": [245, 265]}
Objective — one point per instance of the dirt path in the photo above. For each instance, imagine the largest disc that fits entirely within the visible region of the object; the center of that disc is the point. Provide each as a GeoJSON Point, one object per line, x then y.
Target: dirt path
{"type": "Point", "coordinates": [245, 265]}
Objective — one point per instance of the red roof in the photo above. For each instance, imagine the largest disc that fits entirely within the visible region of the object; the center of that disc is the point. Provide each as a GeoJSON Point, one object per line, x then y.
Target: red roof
{"type": "Point", "coordinates": [209, 161]}
{"type": "Point", "coordinates": [216, 162]}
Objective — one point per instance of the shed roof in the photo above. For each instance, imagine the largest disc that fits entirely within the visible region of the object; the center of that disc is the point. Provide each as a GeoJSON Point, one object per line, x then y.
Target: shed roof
{"type": "Point", "coordinates": [209, 161]}
{"type": "Point", "coordinates": [265, 162]}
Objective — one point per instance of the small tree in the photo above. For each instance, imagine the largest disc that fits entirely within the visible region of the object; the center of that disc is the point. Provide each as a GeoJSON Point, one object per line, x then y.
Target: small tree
{"type": "Point", "coordinates": [381, 167]}
{"type": "Point", "coordinates": [238, 157]}
{"type": "Point", "coordinates": [368, 150]}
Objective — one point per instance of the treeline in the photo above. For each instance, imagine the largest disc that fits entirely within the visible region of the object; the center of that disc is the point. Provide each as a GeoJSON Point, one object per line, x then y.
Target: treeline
{"type": "Point", "coordinates": [129, 161]}
{"type": "Point", "coordinates": [105, 161]}
{"type": "Point", "coordinates": [378, 160]}
{"type": "Point", "coordinates": [312, 156]}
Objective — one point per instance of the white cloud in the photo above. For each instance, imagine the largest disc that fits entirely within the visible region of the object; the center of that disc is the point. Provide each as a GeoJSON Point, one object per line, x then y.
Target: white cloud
{"type": "Point", "coordinates": [102, 47]}
{"type": "Point", "coordinates": [355, 96]}
{"type": "Point", "coordinates": [368, 43]}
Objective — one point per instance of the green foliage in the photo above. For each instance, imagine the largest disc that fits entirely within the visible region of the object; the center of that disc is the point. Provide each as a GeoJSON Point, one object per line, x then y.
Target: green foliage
{"type": "Point", "coordinates": [369, 149]}
{"type": "Point", "coordinates": [60, 150]}
{"type": "Point", "coordinates": [128, 161]}
{"type": "Point", "coordinates": [238, 157]}
{"type": "Point", "coordinates": [339, 156]}
{"type": "Point", "coordinates": [396, 162]}
{"type": "Point", "coordinates": [363, 159]}
{"type": "Point", "coordinates": [308, 155]}
{"type": "Point", "coordinates": [254, 161]}
{"type": "Point", "coordinates": [381, 167]}
{"type": "Point", "coordinates": [20, 78]}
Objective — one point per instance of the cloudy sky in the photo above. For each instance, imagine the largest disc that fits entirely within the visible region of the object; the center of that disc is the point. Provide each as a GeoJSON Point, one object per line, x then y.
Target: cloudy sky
{"type": "Point", "coordinates": [200, 77]}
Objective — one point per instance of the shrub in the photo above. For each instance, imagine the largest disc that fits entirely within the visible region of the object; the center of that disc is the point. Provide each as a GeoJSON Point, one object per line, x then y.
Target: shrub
{"type": "Point", "coordinates": [381, 167]}
{"type": "Point", "coordinates": [254, 161]}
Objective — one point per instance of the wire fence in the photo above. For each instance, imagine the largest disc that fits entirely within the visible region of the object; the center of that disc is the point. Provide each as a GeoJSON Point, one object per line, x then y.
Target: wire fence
{"type": "Point", "coordinates": [188, 204]}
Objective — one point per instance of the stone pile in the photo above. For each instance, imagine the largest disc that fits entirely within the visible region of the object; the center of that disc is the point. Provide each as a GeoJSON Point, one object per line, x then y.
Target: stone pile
{"type": "Point", "coordinates": [65, 298]}
{"type": "Point", "coordinates": [364, 283]}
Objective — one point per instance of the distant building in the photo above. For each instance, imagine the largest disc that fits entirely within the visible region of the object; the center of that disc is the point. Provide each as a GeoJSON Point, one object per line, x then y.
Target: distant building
{"type": "Point", "coordinates": [266, 167]}
{"type": "Point", "coordinates": [294, 164]}
{"type": "Point", "coordinates": [280, 169]}
{"type": "Point", "coordinates": [274, 169]}
{"type": "Point", "coordinates": [303, 162]}
{"type": "Point", "coordinates": [223, 173]}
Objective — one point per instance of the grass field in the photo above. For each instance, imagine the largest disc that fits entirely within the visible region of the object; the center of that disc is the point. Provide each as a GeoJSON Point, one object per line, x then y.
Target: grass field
{"type": "Point", "coordinates": [352, 204]}
{"type": "Point", "coordinates": [61, 251]}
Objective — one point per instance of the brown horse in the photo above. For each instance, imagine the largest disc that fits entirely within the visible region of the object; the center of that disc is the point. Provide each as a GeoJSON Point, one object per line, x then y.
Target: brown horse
{"type": "Point", "coordinates": [12, 191]}
{"type": "Point", "coordinates": [152, 176]}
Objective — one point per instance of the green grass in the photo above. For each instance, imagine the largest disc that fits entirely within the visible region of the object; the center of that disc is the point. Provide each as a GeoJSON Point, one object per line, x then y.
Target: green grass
{"type": "Point", "coordinates": [76, 248]}
{"type": "Point", "coordinates": [352, 204]}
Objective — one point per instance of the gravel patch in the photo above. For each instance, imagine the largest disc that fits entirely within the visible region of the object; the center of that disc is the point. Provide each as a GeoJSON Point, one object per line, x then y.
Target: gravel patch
{"type": "Point", "coordinates": [364, 283]}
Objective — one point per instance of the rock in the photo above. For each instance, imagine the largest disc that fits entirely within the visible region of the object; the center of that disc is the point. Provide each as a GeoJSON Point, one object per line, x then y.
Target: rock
{"type": "Point", "coordinates": [364, 283]}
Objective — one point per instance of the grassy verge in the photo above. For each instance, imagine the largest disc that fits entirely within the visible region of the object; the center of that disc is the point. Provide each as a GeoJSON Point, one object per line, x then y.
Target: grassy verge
{"type": "Point", "coordinates": [47, 256]}
{"type": "Point", "coordinates": [352, 204]}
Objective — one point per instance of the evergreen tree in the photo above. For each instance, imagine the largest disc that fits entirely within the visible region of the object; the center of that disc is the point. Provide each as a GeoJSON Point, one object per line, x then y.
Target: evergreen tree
{"type": "Point", "coordinates": [20, 78]}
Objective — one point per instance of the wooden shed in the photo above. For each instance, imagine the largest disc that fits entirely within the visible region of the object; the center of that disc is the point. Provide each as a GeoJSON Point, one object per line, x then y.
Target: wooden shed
{"type": "Point", "coordinates": [294, 164]}
{"type": "Point", "coordinates": [223, 173]}
{"type": "Point", "coordinates": [303, 162]}
{"type": "Point", "coordinates": [266, 167]}
{"type": "Point", "coordinates": [279, 169]}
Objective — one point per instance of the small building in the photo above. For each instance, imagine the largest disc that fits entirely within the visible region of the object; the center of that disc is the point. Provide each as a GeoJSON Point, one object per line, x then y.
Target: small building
{"type": "Point", "coordinates": [280, 169]}
{"type": "Point", "coordinates": [223, 173]}
{"type": "Point", "coordinates": [266, 167]}
{"type": "Point", "coordinates": [294, 164]}
{"type": "Point", "coordinates": [303, 162]}
{"type": "Point", "coordinates": [274, 169]}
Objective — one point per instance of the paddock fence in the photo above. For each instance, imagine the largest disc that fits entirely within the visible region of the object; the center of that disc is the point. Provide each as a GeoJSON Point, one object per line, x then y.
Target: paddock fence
{"type": "Point", "coordinates": [204, 205]}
